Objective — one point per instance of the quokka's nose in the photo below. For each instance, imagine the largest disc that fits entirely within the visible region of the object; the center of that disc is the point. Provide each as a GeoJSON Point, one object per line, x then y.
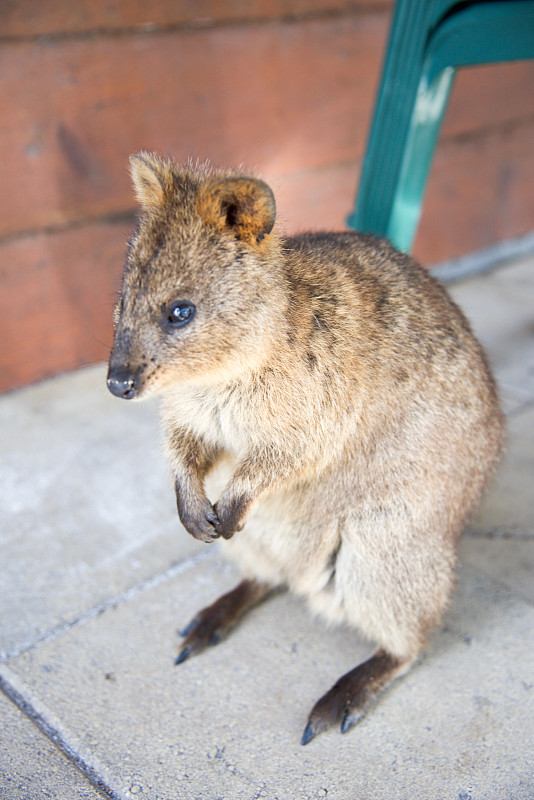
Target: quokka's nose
{"type": "Point", "coordinates": [121, 386]}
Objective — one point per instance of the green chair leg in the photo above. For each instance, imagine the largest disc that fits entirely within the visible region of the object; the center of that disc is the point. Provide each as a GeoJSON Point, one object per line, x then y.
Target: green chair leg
{"type": "Point", "coordinates": [412, 19]}
{"type": "Point", "coordinates": [407, 200]}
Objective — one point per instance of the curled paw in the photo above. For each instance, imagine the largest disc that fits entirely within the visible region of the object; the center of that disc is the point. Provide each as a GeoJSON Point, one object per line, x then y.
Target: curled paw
{"type": "Point", "coordinates": [231, 515]}
{"type": "Point", "coordinates": [200, 519]}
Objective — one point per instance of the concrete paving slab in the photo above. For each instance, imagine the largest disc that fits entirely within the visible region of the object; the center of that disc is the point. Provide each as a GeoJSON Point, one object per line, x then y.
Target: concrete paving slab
{"type": "Point", "coordinates": [500, 538]}
{"type": "Point", "coordinates": [508, 560]}
{"type": "Point", "coordinates": [500, 307]}
{"type": "Point", "coordinates": [35, 768]}
{"type": "Point", "coordinates": [508, 508]}
{"type": "Point", "coordinates": [227, 724]}
{"type": "Point", "coordinates": [87, 506]}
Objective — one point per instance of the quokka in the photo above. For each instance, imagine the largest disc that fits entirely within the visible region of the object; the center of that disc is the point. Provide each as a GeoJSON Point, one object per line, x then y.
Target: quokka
{"type": "Point", "coordinates": [330, 389]}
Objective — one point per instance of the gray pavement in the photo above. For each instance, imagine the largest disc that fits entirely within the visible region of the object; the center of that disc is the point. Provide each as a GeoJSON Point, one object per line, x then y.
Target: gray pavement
{"type": "Point", "coordinates": [97, 575]}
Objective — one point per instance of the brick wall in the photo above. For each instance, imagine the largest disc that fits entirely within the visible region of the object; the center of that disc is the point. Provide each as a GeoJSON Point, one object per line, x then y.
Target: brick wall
{"type": "Point", "coordinates": [284, 86]}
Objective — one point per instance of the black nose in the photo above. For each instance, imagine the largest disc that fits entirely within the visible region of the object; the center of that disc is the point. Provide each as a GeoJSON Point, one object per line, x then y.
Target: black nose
{"type": "Point", "coordinates": [122, 386]}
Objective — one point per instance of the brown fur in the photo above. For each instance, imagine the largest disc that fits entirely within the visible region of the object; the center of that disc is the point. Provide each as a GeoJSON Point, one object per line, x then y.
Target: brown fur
{"type": "Point", "coordinates": [329, 391]}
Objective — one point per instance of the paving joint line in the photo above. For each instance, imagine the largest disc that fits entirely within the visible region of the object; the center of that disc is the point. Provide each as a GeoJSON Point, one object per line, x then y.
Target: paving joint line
{"type": "Point", "coordinates": [53, 735]}
{"type": "Point", "coordinates": [499, 533]}
{"type": "Point", "coordinates": [106, 605]}
{"type": "Point", "coordinates": [525, 407]}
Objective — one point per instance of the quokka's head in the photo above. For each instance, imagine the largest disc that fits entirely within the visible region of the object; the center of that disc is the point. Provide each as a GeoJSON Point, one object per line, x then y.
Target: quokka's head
{"type": "Point", "coordinates": [199, 294]}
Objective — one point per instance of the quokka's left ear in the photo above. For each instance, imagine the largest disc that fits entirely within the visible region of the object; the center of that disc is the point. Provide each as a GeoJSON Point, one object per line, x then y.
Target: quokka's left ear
{"type": "Point", "coordinates": [152, 178]}
{"type": "Point", "coordinates": [246, 206]}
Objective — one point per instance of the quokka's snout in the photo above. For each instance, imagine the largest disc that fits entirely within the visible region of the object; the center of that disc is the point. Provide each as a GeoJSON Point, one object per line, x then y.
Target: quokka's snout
{"type": "Point", "coordinates": [329, 416]}
{"type": "Point", "coordinates": [125, 374]}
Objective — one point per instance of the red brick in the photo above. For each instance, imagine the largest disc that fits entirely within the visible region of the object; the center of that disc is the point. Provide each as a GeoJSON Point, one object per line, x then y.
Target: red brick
{"type": "Point", "coordinates": [28, 18]}
{"type": "Point", "coordinates": [480, 192]}
{"type": "Point", "coordinates": [490, 96]}
{"type": "Point", "coordinates": [277, 96]}
{"type": "Point", "coordinates": [318, 199]}
{"type": "Point", "coordinates": [57, 293]}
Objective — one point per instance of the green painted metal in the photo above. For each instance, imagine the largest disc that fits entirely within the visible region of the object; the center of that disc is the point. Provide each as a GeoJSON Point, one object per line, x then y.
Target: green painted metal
{"type": "Point", "coordinates": [429, 41]}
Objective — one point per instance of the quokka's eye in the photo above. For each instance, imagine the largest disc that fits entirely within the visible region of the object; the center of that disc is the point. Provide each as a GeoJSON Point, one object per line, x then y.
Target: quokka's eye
{"type": "Point", "coordinates": [180, 313]}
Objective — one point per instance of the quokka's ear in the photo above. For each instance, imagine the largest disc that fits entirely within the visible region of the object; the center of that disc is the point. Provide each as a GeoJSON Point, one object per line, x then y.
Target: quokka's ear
{"type": "Point", "coordinates": [243, 205]}
{"type": "Point", "coordinates": [152, 178]}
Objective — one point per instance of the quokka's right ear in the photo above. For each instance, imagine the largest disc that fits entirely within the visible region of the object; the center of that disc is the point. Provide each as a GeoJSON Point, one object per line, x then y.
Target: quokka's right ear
{"type": "Point", "coordinates": [245, 206]}
{"type": "Point", "coordinates": [152, 178]}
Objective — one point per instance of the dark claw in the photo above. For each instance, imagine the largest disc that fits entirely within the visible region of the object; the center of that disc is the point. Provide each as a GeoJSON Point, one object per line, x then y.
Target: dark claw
{"type": "Point", "coordinates": [308, 734]}
{"type": "Point", "coordinates": [349, 720]}
{"type": "Point", "coordinates": [182, 656]}
{"type": "Point", "coordinates": [346, 722]}
{"type": "Point", "coordinates": [212, 518]}
{"type": "Point", "coordinates": [188, 628]}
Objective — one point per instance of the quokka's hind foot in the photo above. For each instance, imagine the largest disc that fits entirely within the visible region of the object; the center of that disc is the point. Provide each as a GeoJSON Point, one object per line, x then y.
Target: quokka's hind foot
{"type": "Point", "coordinates": [345, 703]}
{"type": "Point", "coordinates": [212, 623]}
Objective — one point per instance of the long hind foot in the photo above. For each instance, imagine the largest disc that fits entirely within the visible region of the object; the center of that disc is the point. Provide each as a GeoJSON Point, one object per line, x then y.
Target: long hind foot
{"type": "Point", "coordinates": [346, 701]}
{"type": "Point", "coordinates": [212, 623]}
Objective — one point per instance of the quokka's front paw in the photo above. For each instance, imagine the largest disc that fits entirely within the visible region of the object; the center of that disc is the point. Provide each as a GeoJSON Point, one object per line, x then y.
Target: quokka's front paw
{"type": "Point", "coordinates": [231, 515]}
{"type": "Point", "coordinates": [202, 524]}
{"type": "Point", "coordinates": [198, 517]}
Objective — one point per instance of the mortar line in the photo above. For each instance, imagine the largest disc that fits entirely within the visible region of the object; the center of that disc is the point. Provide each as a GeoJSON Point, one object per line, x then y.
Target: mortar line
{"type": "Point", "coordinates": [128, 215]}
{"type": "Point", "coordinates": [504, 127]}
{"type": "Point", "coordinates": [101, 608]}
{"type": "Point", "coordinates": [53, 735]}
{"type": "Point", "coordinates": [197, 24]}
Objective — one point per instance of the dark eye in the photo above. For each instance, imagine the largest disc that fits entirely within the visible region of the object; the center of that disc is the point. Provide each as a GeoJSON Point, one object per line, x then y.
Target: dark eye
{"type": "Point", "coordinates": [180, 313]}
